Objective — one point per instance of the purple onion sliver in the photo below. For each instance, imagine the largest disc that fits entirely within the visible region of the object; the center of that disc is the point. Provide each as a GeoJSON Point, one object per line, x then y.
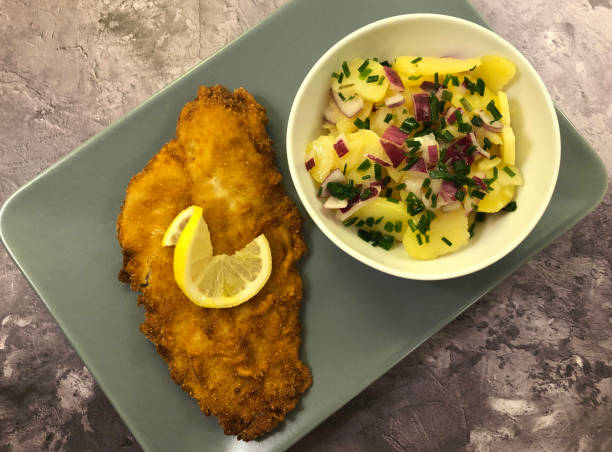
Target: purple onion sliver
{"type": "Point", "coordinates": [447, 191]}
{"type": "Point", "coordinates": [422, 108]}
{"type": "Point", "coordinates": [341, 148]}
{"type": "Point", "coordinates": [432, 152]}
{"type": "Point", "coordinates": [394, 80]}
{"type": "Point", "coordinates": [480, 183]}
{"type": "Point", "coordinates": [378, 160]}
{"type": "Point", "coordinates": [394, 135]}
{"type": "Point", "coordinates": [395, 101]}
{"type": "Point", "coordinates": [419, 166]}
{"type": "Point", "coordinates": [310, 164]}
{"type": "Point", "coordinates": [428, 86]}
{"type": "Point", "coordinates": [394, 152]}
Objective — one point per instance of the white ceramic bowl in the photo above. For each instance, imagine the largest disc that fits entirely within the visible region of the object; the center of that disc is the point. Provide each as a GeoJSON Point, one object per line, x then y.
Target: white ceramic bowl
{"type": "Point", "coordinates": [538, 146]}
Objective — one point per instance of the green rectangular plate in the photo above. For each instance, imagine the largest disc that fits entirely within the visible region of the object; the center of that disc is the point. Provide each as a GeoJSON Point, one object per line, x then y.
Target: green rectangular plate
{"type": "Point", "coordinates": [60, 229]}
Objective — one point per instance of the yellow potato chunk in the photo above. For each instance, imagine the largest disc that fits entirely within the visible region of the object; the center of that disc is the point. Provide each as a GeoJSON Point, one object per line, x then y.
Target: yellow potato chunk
{"type": "Point", "coordinates": [508, 145]}
{"type": "Point", "coordinates": [325, 157]}
{"type": "Point", "coordinates": [391, 214]}
{"type": "Point", "coordinates": [431, 65]}
{"type": "Point", "coordinates": [497, 199]}
{"type": "Point", "coordinates": [504, 107]}
{"type": "Point", "coordinates": [451, 225]}
{"type": "Point", "coordinates": [372, 91]}
{"type": "Point", "coordinates": [496, 71]}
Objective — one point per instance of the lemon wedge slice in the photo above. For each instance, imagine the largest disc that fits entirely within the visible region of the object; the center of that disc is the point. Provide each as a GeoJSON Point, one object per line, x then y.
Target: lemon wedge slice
{"type": "Point", "coordinates": [173, 232]}
{"type": "Point", "coordinates": [220, 281]}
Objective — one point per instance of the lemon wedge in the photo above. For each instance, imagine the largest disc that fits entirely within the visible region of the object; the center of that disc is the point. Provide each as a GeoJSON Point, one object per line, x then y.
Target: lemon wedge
{"type": "Point", "coordinates": [173, 232]}
{"type": "Point", "coordinates": [220, 281]}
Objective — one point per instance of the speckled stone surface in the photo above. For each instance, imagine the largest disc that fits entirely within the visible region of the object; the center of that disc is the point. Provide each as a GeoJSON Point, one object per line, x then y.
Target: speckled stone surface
{"type": "Point", "coordinates": [529, 367]}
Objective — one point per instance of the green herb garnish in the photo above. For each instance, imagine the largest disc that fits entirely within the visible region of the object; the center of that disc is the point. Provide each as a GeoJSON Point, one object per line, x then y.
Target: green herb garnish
{"type": "Point", "coordinates": [510, 207]}
{"type": "Point", "coordinates": [364, 165]}
{"type": "Point", "coordinates": [372, 79]}
{"type": "Point", "coordinates": [466, 104]}
{"type": "Point", "coordinates": [416, 60]}
{"type": "Point", "coordinates": [448, 242]}
{"type": "Point", "coordinates": [350, 221]}
{"type": "Point", "coordinates": [388, 118]}
{"type": "Point", "coordinates": [509, 171]}
{"type": "Point", "coordinates": [345, 69]}
{"type": "Point", "coordinates": [494, 111]}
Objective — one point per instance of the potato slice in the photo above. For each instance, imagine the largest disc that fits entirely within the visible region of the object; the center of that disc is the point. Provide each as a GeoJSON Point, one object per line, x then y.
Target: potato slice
{"type": "Point", "coordinates": [451, 225]}
{"type": "Point", "coordinates": [508, 145]}
{"type": "Point", "coordinates": [504, 107]}
{"type": "Point", "coordinates": [324, 154]}
{"type": "Point", "coordinates": [496, 71]}
{"type": "Point", "coordinates": [431, 65]}
{"type": "Point", "coordinates": [391, 213]}
{"type": "Point", "coordinates": [497, 199]}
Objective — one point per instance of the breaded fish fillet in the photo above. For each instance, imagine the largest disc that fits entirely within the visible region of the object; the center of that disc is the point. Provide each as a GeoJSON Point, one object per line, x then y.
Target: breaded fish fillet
{"type": "Point", "coordinates": [241, 364]}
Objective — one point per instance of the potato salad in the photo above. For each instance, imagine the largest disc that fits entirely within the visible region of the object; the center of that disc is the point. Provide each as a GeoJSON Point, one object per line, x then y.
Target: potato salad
{"type": "Point", "coordinates": [417, 151]}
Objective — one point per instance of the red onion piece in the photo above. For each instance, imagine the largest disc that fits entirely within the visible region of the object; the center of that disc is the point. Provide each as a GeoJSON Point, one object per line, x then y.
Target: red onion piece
{"type": "Point", "coordinates": [341, 148]}
{"type": "Point", "coordinates": [489, 124]}
{"type": "Point", "coordinates": [428, 86]}
{"type": "Point", "coordinates": [418, 167]}
{"type": "Point", "coordinates": [310, 164]}
{"type": "Point", "coordinates": [335, 203]}
{"type": "Point", "coordinates": [395, 135]}
{"type": "Point", "coordinates": [355, 204]}
{"type": "Point", "coordinates": [450, 116]}
{"type": "Point", "coordinates": [395, 101]}
{"type": "Point", "coordinates": [395, 82]}
{"type": "Point", "coordinates": [378, 160]}
{"type": "Point", "coordinates": [349, 108]}
{"type": "Point", "coordinates": [334, 175]}
{"type": "Point", "coordinates": [432, 154]}
{"type": "Point", "coordinates": [480, 183]}
{"type": "Point", "coordinates": [394, 152]}
{"type": "Point", "coordinates": [447, 191]}
{"type": "Point", "coordinates": [422, 108]}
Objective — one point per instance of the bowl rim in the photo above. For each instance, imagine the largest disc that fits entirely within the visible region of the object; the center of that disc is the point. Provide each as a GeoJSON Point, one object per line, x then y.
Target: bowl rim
{"type": "Point", "coordinates": [432, 276]}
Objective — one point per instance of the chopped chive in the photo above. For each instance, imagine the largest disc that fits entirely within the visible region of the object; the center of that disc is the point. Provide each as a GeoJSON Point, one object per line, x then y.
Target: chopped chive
{"type": "Point", "coordinates": [367, 176]}
{"type": "Point", "coordinates": [426, 183]}
{"type": "Point", "coordinates": [414, 205]}
{"type": "Point", "coordinates": [480, 217]}
{"type": "Point", "coordinates": [423, 224]}
{"type": "Point", "coordinates": [364, 235]}
{"type": "Point", "coordinates": [363, 66]}
{"type": "Point", "coordinates": [426, 239]}
{"type": "Point", "coordinates": [480, 86]}
{"type": "Point", "coordinates": [386, 180]}
{"type": "Point", "coordinates": [448, 242]}
{"type": "Point", "coordinates": [510, 207]}
{"type": "Point", "coordinates": [378, 220]}
{"type": "Point", "coordinates": [394, 201]}
{"type": "Point", "coordinates": [416, 60]}
{"type": "Point", "coordinates": [466, 104]}
{"type": "Point", "coordinates": [364, 195]}
{"type": "Point", "coordinates": [344, 170]}
{"type": "Point", "coordinates": [434, 201]}
{"type": "Point", "coordinates": [419, 239]}
{"type": "Point", "coordinates": [398, 226]}
{"type": "Point", "coordinates": [487, 144]}
{"type": "Point", "coordinates": [477, 121]}
{"type": "Point", "coordinates": [388, 118]}
{"type": "Point", "coordinates": [495, 173]}
{"type": "Point", "coordinates": [435, 107]}
{"type": "Point", "coordinates": [472, 68]}
{"type": "Point", "coordinates": [442, 122]}
{"type": "Point", "coordinates": [370, 221]}
{"type": "Point", "coordinates": [387, 242]}
{"type": "Point", "coordinates": [345, 69]}
{"type": "Point", "coordinates": [464, 127]}
{"type": "Point", "coordinates": [477, 194]}
{"type": "Point", "coordinates": [388, 226]}
{"type": "Point", "coordinates": [448, 136]}
{"type": "Point", "coordinates": [410, 163]}
{"type": "Point", "coordinates": [447, 95]}
{"type": "Point", "coordinates": [471, 230]}
{"type": "Point", "coordinates": [400, 187]}
{"type": "Point", "coordinates": [381, 80]}
{"type": "Point", "coordinates": [413, 143]}
{"type": "Point", "coordinates": [455, 80]}
{"type": "Point", "coordinates": [341, 96]}
{"type": "Point", "coordinates": [350, 221]}
{"type": "Point", "coordinates": [359, 123]}
{"type": "Point", "coordinates": [388, 193]}
{"type": "Point", "coordinates": [446, 79]}
{"type": "Point", "coordinates": [364, 165]}
{"type": "Point", "coordinates": [360, 223]}
{"type": "Point", "coordinates": [412, 225]}
{"type": "Point", "coordinates": [409, 125]}
{"type": "Point", "coordinates": [436, 81]}
{"type": "Point", "coordinates": [509, 171]}
{"type": "Point", "coordinates": [415, 77]}
{"type": "Point", "coordinates": [335, 75]}
{"type": "Point", "coordinates": [428, 193]}
{"type": "Point", "coordinates": [364, 74]}
{"type": "Point", "coordinates": [471, 149]}
{"type": "Point", "coordinates": [385, 63]}
{"type": "Point", "coordinates": [377, 171]}
{"type": "Point", "coordinates": [494, 111]}
{"type": "Point", "coordinates": [366, 124]}
{"type": "Point", "coordinates": [372, 79]}
{"type": "Point", "coordinates": [460, 195]}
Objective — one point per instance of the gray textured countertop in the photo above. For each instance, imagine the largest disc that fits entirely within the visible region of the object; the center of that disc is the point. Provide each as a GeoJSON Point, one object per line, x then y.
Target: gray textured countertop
{"type": "Point", "coordinates": [529, 367]}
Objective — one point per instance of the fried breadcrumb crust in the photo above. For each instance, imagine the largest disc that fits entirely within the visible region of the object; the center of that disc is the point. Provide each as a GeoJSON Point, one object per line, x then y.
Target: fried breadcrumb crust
{"type": "Point", "coordinates": [241, 364]}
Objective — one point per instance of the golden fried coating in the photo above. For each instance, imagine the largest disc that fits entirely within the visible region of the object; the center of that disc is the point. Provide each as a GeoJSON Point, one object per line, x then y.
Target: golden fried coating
{"type": "Point", "coordinates": [241, 364]}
